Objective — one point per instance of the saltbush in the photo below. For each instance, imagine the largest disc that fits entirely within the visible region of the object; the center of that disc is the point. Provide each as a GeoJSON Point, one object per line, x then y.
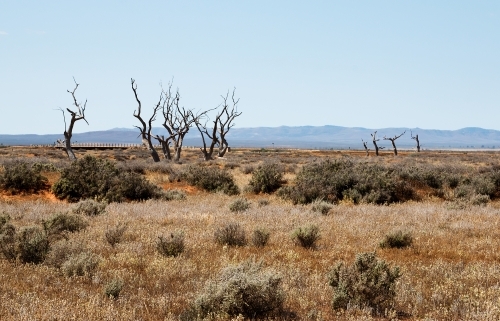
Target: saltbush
{"type": "Point", "coordinates": [60, 252]}
{"type": "Point", "coordinates": [94, 178]}
{"type": "Point", "coordinates": [132, 186]}
{"type": "Point", "coordinates": [246, 289]}
{"type": "Point", "coordinates": [32, 245]}
{"type": "Point", "coordinates": [231, 234]}
{"type": "Point", "coordinates": [333, 181]}
{"type": "Point", "coordinates": [89, 207]}
{"type": "Point", "coordinates": [20, 177]}
{"type": "Point", "coordinates": [113, 288]}
{"type": "Point", "coordinates": [114, 235]}
{"type": "Point", "coordinates": [368, 282]}
{"type": "Point", "coordinates": [306, 236]}
{"type": "Point", "coordinates": [81, 264]}
{"type": "Point", "coordinates": [58, 224]}
{"type": "Point", "coordinates": [173, 194]}
{"type": "Point", "coordinates": [263, 202]}
{"type": "Point", "coordinates": [260, 237]}
{"type": "Point", "coordinates": [172, 245]}
{"type": "Point", "coordinates": [7, 238]}
{"type": "Point", "coordinates": [247, 169]}
{"type": "Point", "coordinates": [267, 178]}
{"type": "Point", "coordinates": [398, 239]}
{"type": "Point", "coordinates": [212, 179]}
{"type": "Point", "coordinates": [239, 205]}
{"type": "Point", "coordinates": [321, 206]}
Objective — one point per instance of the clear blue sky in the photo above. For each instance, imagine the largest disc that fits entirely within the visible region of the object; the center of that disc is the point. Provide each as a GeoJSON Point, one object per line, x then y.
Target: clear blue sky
{"type": "Point", "coordinates": [375, 64]}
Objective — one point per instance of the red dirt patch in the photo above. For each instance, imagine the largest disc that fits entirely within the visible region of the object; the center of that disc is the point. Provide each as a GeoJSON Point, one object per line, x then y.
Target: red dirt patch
{"type": "Point", "coordinates": [188, 189]}
{"type": "Point", "coordinates": [43, 195]}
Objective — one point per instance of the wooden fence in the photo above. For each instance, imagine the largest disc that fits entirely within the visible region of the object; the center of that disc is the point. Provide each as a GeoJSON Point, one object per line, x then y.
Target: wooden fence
{"type": "Point", "coordinates": [103, 146]}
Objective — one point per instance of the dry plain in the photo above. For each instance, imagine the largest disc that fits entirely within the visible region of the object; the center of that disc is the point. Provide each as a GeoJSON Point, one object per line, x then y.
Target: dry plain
{"type": "Point", "coordinates": [451, 271]}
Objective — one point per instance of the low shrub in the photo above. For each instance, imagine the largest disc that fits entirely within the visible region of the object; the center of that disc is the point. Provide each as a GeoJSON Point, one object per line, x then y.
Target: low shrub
{"type": "Point", "coordinates": [7, 238]}
{"type": "Point", "coordinates": [478, 199]}
{"type": "Point", "coordinates": [211, 179]}
{"type": "Point", "coordinates": [4, 218]}
{"type": "Point", "coordinates": [483, 185]}
{"type": "Point", "coordinates": [231, 165]}
{"type": "Point", "coordinates": [89, 207]}
{"type": "Point", "coordinates": [132, 186]}
{"type": "Point", "coordinates": [20, 177]}
{"type": "Point", "coordinates": [260, 237]}
{"type": "Point", "coordinates": [87, 177]}
{"type": "Point", "coordinates": [245, 289]}
{"type": "Point", "coordinates": [368, 282]}
{"type": "Point", "coordinates": [321, 207]}
{"type": "Point", "coordinates": [60, 223]}
{"type": "Point", "coordinates": [263, 202]}
{"type": "Point", "coordinates": [453, 180]}
{"type": "Point", "coordinates": [306, 236]}
{"type": "Point", "coordinates": [98, 179]}
{"type": "Point", "coordinates": [44, 167]}
{"type": "Point", "coordinates": [397, 240]}
{"type": "Point", "coordinates": [172, 245]}
{"type": "Point", "coordinates": [172, 194]}
{"type": "Point", "coordinates": [81, 264]}
{"type": "Point", "coordinates": [247, 169]}
{"type": "Point", "coordinates": [113, 288]}
{"type": "Point", "coordinates": [60, 252]}
{"type": "Point", "coordinates": [239, 205]}
{"type": "Point", "coordinates": [267, 178]}
{"type": "Point", "coordinates": [114, 235]}
{"type": "Point", "coordinates": [427, 175]}
{"type": "Point", "coordinates": [333, 181]}
{"type": "Point", "coordinates": [32, 245]}
{"type": "Point", "coordinates": [231, 234]}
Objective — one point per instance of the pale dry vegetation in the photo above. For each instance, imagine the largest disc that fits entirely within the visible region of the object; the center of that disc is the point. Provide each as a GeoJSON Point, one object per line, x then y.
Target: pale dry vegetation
{"type": "Point", "coordinates": [449, 271]}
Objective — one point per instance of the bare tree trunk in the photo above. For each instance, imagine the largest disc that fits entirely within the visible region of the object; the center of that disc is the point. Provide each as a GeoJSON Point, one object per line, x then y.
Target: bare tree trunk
{"type": "Point", "coordinates": [393, 139]}
{"type": "Point", "coordinates": [68, 148]}
{"type": "Point", "coordinates": [165, 146]}
{"type": "Point", "coordinates": [416, 139]}
{"type": "Point", "coordinates": [145, 130]}
{"type": "Point", "coordinates": [166, 151]}
{"type": "Point", "coordinates": [207, 153]}
{"type": "Point", "coordinates": [366, 147]}
{"type": "Point", "coordinates": [223, 147]}
{"type": "Point", "coordinates": [152, 151]}
{"type": "Point", "coordinates": [375, 143]}
{"type": "Point", "coordinates": [178, 148]}
{"type": "Point", "coordinates": [177, 119]}
{"type": "Point", "coordinates": [225, 120]}
{"type": "Point", "coordinates": [75, 116]}
{"type": "Point", "coordinates": [395, 148]}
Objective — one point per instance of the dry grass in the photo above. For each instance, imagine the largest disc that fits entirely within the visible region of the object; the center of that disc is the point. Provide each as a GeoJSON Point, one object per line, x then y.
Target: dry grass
{"type": "Point", "coordinates": [451, 272]}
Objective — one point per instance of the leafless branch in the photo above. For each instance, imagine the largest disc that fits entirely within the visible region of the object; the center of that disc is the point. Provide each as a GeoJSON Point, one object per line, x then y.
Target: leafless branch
{"type": "Point", "coordinates": [145, 130]}
{"type": "Point", "coordinates": [393, 139]}
{"type": "Point", "coordinates": [75, 116]}
{"type": "Point", "coordinates": [416, 139]}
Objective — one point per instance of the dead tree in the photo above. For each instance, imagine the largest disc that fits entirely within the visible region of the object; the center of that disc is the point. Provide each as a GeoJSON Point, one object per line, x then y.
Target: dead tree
{"type": "Point", "coordinates": [375, 140]}
{"type": "Point", "coordinates": [177, 122]}
{"type": "Point", "coordinates": [416, 139]}
{"type": "Point", "coordinates": [393, 139]}
{"type": "Point", "coordinates": [226, 119]}
{"type": "Point", "coordinates": [165, 145]}
{"type": "Point", "coordinates": [145, 129]}
{"type": "Point", "coordinates": [208, 137]}
{"type": "Point", "coordinates": [366, 147]}
{"type": "Point", "coordinates": [75, 116]}
{"type": "Point", "coordinates": [216, 135]}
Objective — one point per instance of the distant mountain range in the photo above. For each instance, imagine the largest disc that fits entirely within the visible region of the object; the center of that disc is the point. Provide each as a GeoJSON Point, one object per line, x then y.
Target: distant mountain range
{"type": "Point", "coordinates": [336, 137]}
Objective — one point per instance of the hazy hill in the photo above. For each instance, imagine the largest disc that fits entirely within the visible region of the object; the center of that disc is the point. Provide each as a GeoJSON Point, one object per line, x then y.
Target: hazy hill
{"type": "Point", "coordinates": [300, 136]}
